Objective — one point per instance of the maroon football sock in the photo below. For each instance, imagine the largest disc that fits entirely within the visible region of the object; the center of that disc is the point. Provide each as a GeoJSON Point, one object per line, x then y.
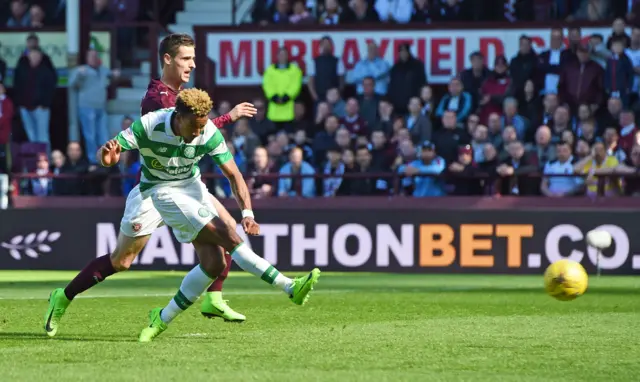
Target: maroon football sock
{"type": "Point", "coordinates": [216, 286]}
{"type": "Point", "coordinates": [96, 271]}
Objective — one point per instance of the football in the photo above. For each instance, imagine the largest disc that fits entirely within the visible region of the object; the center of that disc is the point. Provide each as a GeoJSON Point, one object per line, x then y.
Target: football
{"type": "Point", "coordinates": [565, 280]}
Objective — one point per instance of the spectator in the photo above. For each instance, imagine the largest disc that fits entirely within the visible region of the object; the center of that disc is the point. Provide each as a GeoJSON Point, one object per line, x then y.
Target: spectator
{"type": "Point", "coordinates": [419, 126]}
{"type": "Point", "coordinates": [322, 113]}
{"type": "Point", "coordinates": [631, 11]}
{"type": "Point", "coordinates": [382, 153]}
{"type": "Point", "coordinates": [300, 14]}
{"type": "Point", "coordinates": [57, 164]}
{"type": "Point", "coordinates": [261, 12]}
{"type": "Point", "coordinates": [91, 82]}
{"type": "Point", "coordinates": [633, 52]}
{"type": "Point", "coordinates": [582, 82]}
{"type": "Point", "coordinates": [77, 166]}
{"type": "Point", "coordinates": [300, 121]}
{"type": "Point", "coordinates": [592, 10]}
{"type": "Point", "coordinates": [598, 160]}
{"type": "Point", "coordinates": [423, 12]}
{"type": "Point", "coordinates": [335, 168]}
{"type": "Point", "coordinates": [34, 88]}
{"type": "Point", "coordinates": [420, 172]}
{"type": "Point", "coordinates": [428, 103]}
{"type": "Point", "coordinates": [560, 186]}
{"type": "Point", "coordinates": [452, 10]}
{"type": "Point", "coordinates": [569, 137]}
{"type": "Point", "coordinates": [550, 62]}
{"type": "Point", "coordinates": [33, 42]}
{"type": "Point", "coordinates": [612, 116]}
{"type": "Point", "coordinates": [244, 140]}
{"type": "Point", "coordinates": [618, 33]}
{"type": "Point", "coordinates": [449, 138]}
{"type": "Point", "coordinates": [367, 185]}
{"type": "Point", "coordinates": [529, 105]}
{"type": "Point", "coordinates": [549, 106]}
{"type": "Point", "coordinates": [224, 107]}
{"type": "Point", "coordinates": [611, 139]}
{"type": "Point", "coordinates": [281, 84]}
{"type": "Point", "coordinates": [582, 149]}
{"type": "Point", "coordinates": [587, 132]}
{"type": "Point", "coordinates": [462, 173]}
{"type": "Point", "coordinates": [359, 11]}
{"type": "Point", "coordinates": [494, 125]}
{"type": "Point", "coordinates": [6, 118]}
{"type": "Point", "coordinates": [629, 130]}
{"type": "Point", "coordinates": [518, 10]}
{"type": "Point", "coordinates": [259, 124]}
{"type": "Point", "coordinates": [353, 122]}
{"type": "Point", "coordinates": [575, 40]}
{"type": "Point", "coordinates": [561, 122]}
{"type": "Point", "coordinates": [523, 66]}
{"type": "Point", "coordinates": [583, 116]}
{"type": "Point", "coordinates": [374, 67]}
{"type": "Point", "coordinates": [333, 14]}
{"type": "Point", "coordinates": [325, 139]}
{"type": "Point", "coordinates": [631, 167]}
{"type": "Point", "coordinates": [473, 78]}
{"type": "Point", "coordinates": [37, 16]}
{"type": "Point", "coordinates": [101, 12]}
{"type": "Point", "coordinates": [19, 18]}
{"type": "Point", "coordinates": [456, 100]}
{"type": "Point", "coordinates": [327, 71]}
{"type": "Point", "coordinates": [259, 184]}
{"type": "Point", "coordinates": [598, 51]}
{"type": "Point", "coordinates": [407, 78]}
{"type": "Point", "coordinates": [514, 171]}
{"type": "Point", "coordinates": [542, 151]}
{"type": "Point", "coordinates": [398, 11]}
{"type": "Point", "coordinates": [368, 102]}
{"type": "Point", "coordinates": [508, 136]}
{"type": "Point", "coordinates": [349, 160]}
{"type": "Point", "coordinates": [512, 118]}
{"type": "Point", "coordinates": [494, 89]}
{"type": "Point", "coordinates": [619, 74]}
{"type": "Point", "coordinates": [385, 114]}
{"type": "Point", "coordinates": [488, 168]}
{"type": "Point", "coordinates": [479, 140]}
{"type": "Point", "coordinates": [472, 123]}
{"type": "Point", "coordinates": [301, 141]}
{"type": "Point", "coordinates": [42, 185]}
{"type": "Point", "coordinates": [344, 138]}
{"type": "Point", "coordinates": [295, 184]}
{"type": "Point", "coordinates": [277, 159]}
{"type": "Point", "coordinates": [336, 103]}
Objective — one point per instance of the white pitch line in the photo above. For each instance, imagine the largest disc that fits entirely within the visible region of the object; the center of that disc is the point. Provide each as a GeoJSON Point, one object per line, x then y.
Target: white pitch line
{"type": "Point", "coordinates": [145, 295]}
{"type": "Point", "coordinates": [322, 291]}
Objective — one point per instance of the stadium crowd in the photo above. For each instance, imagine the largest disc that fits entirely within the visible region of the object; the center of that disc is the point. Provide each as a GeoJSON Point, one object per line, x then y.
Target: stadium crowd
{"type": "Point", "coordinates": [566, 110]}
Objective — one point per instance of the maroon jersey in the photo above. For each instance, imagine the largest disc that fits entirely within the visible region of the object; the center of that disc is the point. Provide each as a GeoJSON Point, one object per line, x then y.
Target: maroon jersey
{"type": "Point", "coordinates": [160, 96]}
{"type": "Point", "coordinates": [356, 125]}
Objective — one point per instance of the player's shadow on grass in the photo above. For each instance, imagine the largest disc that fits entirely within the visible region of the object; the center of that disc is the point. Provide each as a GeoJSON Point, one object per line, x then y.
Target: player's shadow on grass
{"type": "Point", "coordinates": [43, 337]}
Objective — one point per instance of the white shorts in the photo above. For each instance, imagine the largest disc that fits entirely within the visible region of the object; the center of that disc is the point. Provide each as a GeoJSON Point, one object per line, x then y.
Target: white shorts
{"type": "Point", "coordinates": [186, 208]}
{"type": "Point", "coordinates": [140, 217]}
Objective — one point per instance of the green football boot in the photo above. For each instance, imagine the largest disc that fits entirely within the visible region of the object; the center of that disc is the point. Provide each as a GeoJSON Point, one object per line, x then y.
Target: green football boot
{"type": "Point", "coordinates": [214, 306]}
{"type": "Point", "coordinates": [302, 286]}
{"type": "Point", "coordinates": [156, 326]}
{"type": "Point", "coordinates": [58, 304]}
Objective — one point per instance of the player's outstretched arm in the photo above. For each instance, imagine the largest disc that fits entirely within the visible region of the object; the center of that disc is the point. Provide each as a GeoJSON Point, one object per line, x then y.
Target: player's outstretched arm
{"type": "Point", "coordinates": [109, 153]}
{"type": "Point", "coordinates": [241, 193]}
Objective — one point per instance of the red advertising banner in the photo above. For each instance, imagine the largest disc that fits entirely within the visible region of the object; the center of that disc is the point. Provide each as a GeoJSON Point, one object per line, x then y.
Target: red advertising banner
{"type": "Point", "coordinates": [242, 56]}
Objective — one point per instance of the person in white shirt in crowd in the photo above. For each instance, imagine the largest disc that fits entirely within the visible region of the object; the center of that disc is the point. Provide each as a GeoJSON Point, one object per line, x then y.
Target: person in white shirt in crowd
{"type": "Point", "coordinates": [598, 50]}
{"type": "Point", "coordinates": [371, 66]}
{"type": "Point", "coordinates": [398, 11]}
{"type": "Point", "coordinates": [560, 186]}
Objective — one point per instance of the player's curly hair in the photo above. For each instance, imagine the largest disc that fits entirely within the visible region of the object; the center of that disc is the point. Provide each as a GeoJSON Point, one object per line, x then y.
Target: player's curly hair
{"type": "Point", "coordinates": [194, 101]}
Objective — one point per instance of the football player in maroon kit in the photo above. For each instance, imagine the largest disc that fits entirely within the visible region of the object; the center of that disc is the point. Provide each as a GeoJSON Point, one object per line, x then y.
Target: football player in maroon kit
{"type": "Point", "coordinates": [140, 219]}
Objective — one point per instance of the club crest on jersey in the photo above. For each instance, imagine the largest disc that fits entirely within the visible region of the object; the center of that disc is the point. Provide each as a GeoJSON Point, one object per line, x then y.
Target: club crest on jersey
{"type": "Point", "coordinates": [136, 227]}
{"type": "Point", "coordinates": [156, 164]}
{"type": "Point", "coordinates": [190, 152]}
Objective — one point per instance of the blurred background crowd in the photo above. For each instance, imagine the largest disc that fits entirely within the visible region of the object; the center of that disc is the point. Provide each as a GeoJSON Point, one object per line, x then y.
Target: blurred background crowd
{"type": "Point", "coordinates": [380, 128]}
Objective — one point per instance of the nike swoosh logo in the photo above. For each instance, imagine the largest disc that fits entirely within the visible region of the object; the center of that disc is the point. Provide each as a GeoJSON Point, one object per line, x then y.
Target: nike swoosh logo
{"type": "Point", "coordinates": [219, 310]}
{"type": "Point", "coordinates": [47, 327]}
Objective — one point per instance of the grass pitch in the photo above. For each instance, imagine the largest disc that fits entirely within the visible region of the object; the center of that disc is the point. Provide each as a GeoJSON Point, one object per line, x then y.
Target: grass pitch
{"type": "Point", "coordinates": [356, 327]}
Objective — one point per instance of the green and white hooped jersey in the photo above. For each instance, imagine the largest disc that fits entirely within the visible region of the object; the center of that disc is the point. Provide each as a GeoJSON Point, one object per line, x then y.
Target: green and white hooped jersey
{"type": "Point", "coordinates": [165, 158]}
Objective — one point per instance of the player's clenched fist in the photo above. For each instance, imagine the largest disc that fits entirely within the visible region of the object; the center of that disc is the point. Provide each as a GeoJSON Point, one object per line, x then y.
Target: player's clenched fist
{"type": "Point", "coordinates": [250, 226]}
{"type": "Point", "coordinates": [110, 153]}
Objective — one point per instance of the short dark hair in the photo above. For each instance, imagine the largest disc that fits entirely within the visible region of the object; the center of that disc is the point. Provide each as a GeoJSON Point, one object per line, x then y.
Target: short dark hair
{"type": "Point", "coordinates": [170, 45]}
